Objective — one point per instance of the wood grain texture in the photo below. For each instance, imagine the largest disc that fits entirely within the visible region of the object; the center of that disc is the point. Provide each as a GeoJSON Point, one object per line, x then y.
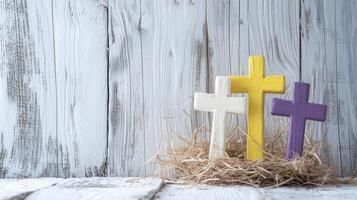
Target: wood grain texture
{"type": "Point", "coordinates": [155, 188]}
{"type": "Point", "coordinates": [237, 29]}
{"type": "Point", "coordinates": [223, 47]}
{"type": "Point", "coordinates": [126, 105]}
{"type": "Point", "coordinates": [80, 34]}
{"type": "Point", "coordinates": [175, 192]}
{"type": "Point", "coordinates": [172, 48]}
{"type": "Point", "coordinates": [271, 29]}
{"type": "Point", "coordinates": [328, 63]}
{"type": "Point", "coordinates": [27, 101]}
{"type": "Point", "coordinates": [53, 86]}
{"type": "Point", "coordinates": [21, 188]}
{"type": "Point", "coordinates": [99, 188]}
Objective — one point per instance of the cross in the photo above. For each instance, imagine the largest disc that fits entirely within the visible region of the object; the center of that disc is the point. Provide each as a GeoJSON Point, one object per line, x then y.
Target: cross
{"type": "Point", "coordinates": [256, 84]}
{"type": "Point", "coordinates": [299, 110]}
{"type": "Point", "coordinates": [220, 104]}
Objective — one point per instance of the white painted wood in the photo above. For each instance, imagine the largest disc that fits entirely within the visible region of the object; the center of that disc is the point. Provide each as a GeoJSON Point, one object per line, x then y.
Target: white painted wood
{"type": "Point", "coordinates": [20, 188]}
{"type": "Point", "coordinates": [220, 104]}
{"type": "Point", "coordinates": [318, 68]}
{"type": "Point", "coordinates": [173, 54]}
{"type": "Point", "coordinates": [101, 188]}
{"type": "Point", "coordinates": [221, 48]}
{"type": "Point", "coordinates": [177, 192]}
{"type": "Point", "coordinates": [126, 105]}
{"type": "Point", "coordinates": [53, 88]}
{"type": "Point", "coordinates": [27, 90]}
{"type": "Point", "coordinates": [341, 192]}
{"type": "Point", "coordinates": [147, 188]}
{"type": "Point", "coordinates": [80, 35]}
{"type": "Point", "coordinates": [237, 29]}
{"type": "Point", "coordinates": [204, 192]}
{"type": "Point", "coordinates": [328, 63]}
{"type": "Point", "coordinates": [238, 48]}
{"type": "Point", "coordinates": [271, 28]}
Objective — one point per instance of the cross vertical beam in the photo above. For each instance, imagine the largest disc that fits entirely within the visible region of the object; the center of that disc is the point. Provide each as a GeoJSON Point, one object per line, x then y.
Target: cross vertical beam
{"type": "Point", "coordinates": [299, 110]}
{"type": "Point", "coordinates": [256, 84]}
{"type": "Point", "coordinates": [220, 104]}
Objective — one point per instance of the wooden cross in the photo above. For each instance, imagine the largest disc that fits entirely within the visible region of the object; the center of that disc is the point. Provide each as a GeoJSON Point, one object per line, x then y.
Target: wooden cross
{"type": "Point", "coordinates": [256, 84]}
{"type": "Point", "coordinates": [299, 110]}
{"type": "Point", "coordinates": [220, 104]}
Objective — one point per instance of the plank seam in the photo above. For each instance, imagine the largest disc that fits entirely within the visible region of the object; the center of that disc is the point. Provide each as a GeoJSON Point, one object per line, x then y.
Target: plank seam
{"type": "Point", "coordinates": [349, 135]}
{"type": "Point", "coordinates": [337, 100]}
{"type": "Point", "coordinates": [24, 195]}
{"type": "Point", "coordinates": [142, 83]}
{"type": "Point", "coordinates": [207, 57]}
{"type": "Point", "coordinates": [248, 24]}
{"type": "Point", "coordinates": [152, 194]}
{"type": "Point", "coordinates": [229, 39]}
{"type": "Point", "coordinates": [56, 88]}
{"type": "Point", "coordinates": [106, 169]}
{"type": "Point", "coordinates": [207, 48]}
{"type": "Point", "coordinates": [300, 40]}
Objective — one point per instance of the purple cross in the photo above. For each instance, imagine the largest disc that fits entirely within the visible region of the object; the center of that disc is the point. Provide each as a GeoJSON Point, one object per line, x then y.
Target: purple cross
{"type": "Point", "coordinates": [299, 110]}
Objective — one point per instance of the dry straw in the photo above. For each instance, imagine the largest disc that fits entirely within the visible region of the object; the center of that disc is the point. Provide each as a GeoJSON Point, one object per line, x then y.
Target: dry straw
{"type": "Point", "coordinates": [191, 163]}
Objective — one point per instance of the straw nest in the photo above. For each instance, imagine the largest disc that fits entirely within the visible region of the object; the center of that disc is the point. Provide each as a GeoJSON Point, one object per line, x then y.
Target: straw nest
{"type": "Point", "coordinates": [190, 163]}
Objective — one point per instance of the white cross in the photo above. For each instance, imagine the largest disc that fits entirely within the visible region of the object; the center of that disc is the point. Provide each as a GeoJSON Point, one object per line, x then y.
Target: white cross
{"type": "Point", "coordinates": [220, 104]}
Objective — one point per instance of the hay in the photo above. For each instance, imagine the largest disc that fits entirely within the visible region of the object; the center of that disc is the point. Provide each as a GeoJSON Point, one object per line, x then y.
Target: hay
{"type": "Point", "coordinates": [191, 164]}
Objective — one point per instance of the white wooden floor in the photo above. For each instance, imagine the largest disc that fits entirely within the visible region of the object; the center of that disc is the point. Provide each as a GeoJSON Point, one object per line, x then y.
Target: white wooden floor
{"type": "Point", "coordinates": [154, 188]}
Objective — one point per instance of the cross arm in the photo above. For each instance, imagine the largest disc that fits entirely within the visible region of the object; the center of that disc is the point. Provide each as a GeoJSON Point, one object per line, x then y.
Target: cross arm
{"type": "Point", "coordinates": [235, 104]}
{"type": "Point", "coordinates": [316, 112]}
{"type": "Point", "coordinates": [282, 107]}
{"type": "Point", "coordinates": [274, 84]}
{"type": "Point", "coordinates": [240, 84]}
{"type": "Point", "coordinates": [204, 102]}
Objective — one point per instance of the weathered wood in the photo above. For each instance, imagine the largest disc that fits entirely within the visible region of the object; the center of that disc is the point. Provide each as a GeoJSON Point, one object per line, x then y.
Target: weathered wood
{"type": "Point", "coordinates": [346, 73]}
{"type": "Point", "coordinates": [318, 67]}
{"type": "Point", "coordinates": [126, 104]}
{"type": "Point", "coordinates": [222, 48]}
{"type": "Point", "coordinates": [20, 188]}
{"type": "Point", "coordinates": [225, 48]}
{"type": "Point", "coordinates": [329, 192]}
{"type": "Point", "coordinates": [174, 192]}
{"type": "Point", "coordinates": [80, 35]}
{"type": "Point", "coordinates": [101, 188]}
{"type": "Point", "coordinates": [28, 145]}
{"type": "Point", "coordinates": [239, 27]}
{"type": "Point", "coordinates": [54, 88]}
{"type": "Point", "coordinates": [328, 63]}
{"type": "Point", "coordinates": [154, 188]}
{"type": "Point", "coordinates": [208, 192]}
{"type": "Point", "coordinates": [172, 48]}
{"type": "Point", "coordinates": [271, 28]}
{"type": "Point", "coordinates": [80, 188]}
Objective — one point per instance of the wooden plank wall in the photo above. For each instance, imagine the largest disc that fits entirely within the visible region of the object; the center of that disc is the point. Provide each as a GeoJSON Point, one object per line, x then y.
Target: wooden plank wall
{"type": "Point", "coordinates": [97, 87]}
{"type": "Point", "coordinates": [328, 46]}
{"type": "Point", "coordinates": [53, 88]}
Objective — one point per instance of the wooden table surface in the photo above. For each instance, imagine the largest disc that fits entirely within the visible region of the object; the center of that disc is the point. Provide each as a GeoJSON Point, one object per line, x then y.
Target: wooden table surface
{"type": "Point", "coordinates": [155, 188]}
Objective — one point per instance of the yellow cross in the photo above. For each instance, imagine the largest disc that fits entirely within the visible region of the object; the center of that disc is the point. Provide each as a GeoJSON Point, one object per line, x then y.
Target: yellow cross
{"type": "Point", "coordinates": [256, 84]}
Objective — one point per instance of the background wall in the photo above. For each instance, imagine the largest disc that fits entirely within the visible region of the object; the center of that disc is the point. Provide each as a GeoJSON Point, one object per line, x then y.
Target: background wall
{"type": "Point", "coordinates": [95, 87]}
